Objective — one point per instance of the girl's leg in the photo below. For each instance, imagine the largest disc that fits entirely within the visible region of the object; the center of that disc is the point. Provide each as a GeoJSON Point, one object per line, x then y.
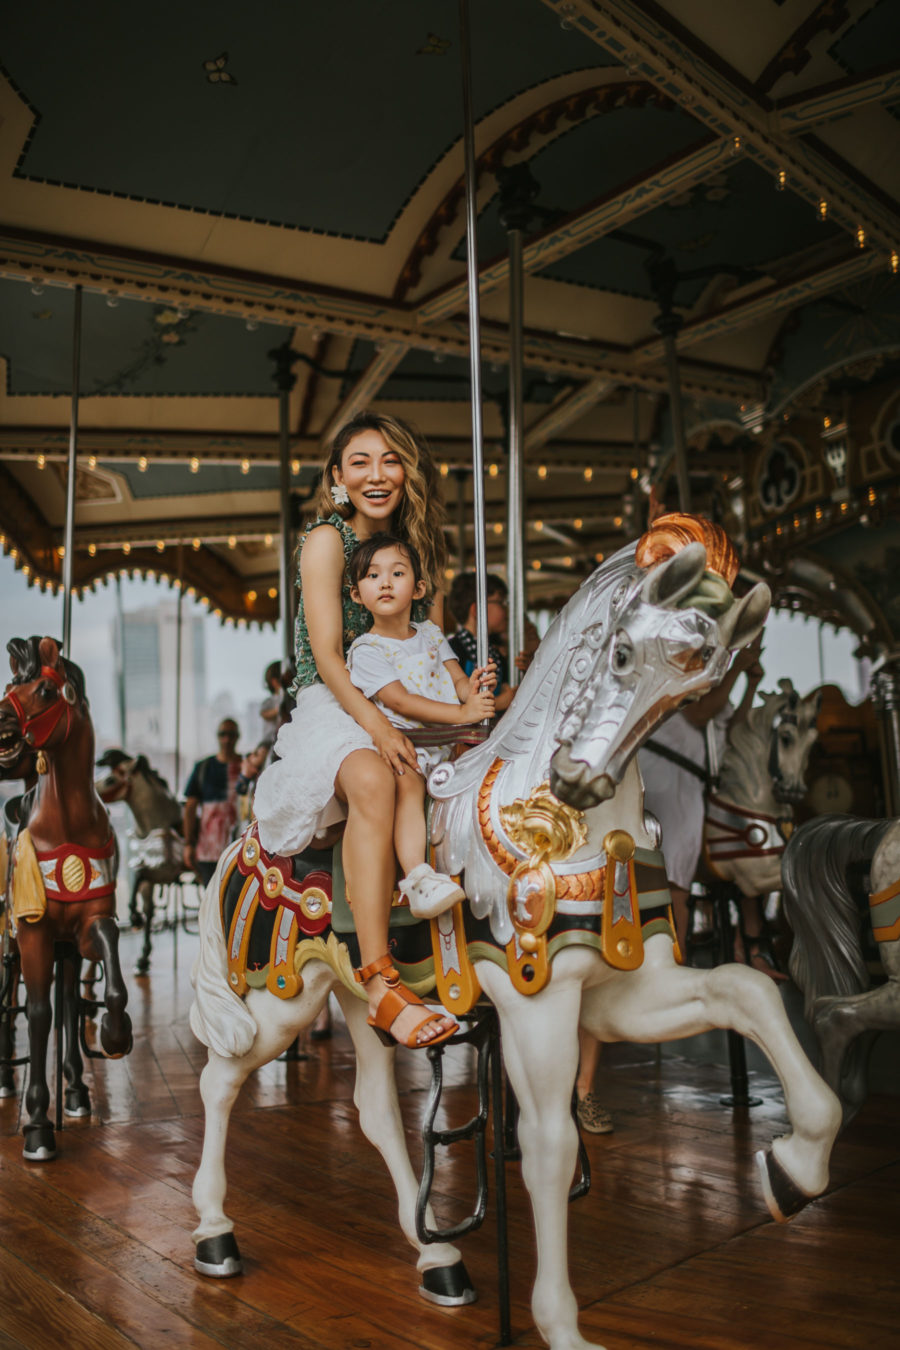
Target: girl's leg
{"type": "Point", "coordinates": [368, 787]}
{"type": "Point", "coordinates": [409, 821]}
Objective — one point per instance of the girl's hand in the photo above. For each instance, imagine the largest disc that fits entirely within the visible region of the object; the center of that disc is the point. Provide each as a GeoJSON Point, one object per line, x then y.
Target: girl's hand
{"type": "Point", "coordinates": [477, 706]}
{"type": "Point", "coordinates": [483, 679]}
{"type": "Point", "coordinates": [397, 751]}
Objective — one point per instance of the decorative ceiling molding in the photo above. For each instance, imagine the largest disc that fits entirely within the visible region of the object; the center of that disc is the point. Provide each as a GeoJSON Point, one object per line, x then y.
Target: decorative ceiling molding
{"type": "Point", "coordinates": [568, 409]}
{"type": "Point", "coordinates": [670, 179]}
{"type": "Point", "coordinates": [743, 313]}
{"type": "Point", "coordinates": [377, 372]}
{"type": "Point", "coordinates": [542, 125]}
{"type": "Point", "coordinates": [628, 32]}
{"type": "Point", "coordinates": [836, 99]}
{"type": "Point", "coordinates": [828, 16]}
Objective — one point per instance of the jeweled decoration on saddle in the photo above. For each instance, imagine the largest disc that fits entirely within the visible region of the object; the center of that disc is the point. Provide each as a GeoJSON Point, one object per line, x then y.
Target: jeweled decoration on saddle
{"type": "Point", "coordinates": [72, 872]}
{"type": "Point", "coordinates": [302, 910]}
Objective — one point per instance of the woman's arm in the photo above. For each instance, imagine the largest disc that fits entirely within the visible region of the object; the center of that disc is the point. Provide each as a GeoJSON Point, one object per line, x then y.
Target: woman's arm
{"type": "Point", "coordinates": [321, 576]}
{"type": "Point", "coordinates": [433, 711]}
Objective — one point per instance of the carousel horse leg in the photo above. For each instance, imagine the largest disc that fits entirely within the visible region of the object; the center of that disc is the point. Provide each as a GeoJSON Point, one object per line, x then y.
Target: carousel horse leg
{"type": "Point", "coordinates": [839, 1019]}
{"type": "Point", "coordinates": [36, 954]}
{"type": "Point", "coordinates": [444, 1277]}
{"type": "Point", "coordinates": [144, 889]}
{"type": "Point", "coordinates": [662, 1001]}
{"type": "Point", "coordinates": [115, 1026]}
{"type": "Point", "coordinates": [77, 1099]}
{"type": "Point", "coordinates": [540, 1054]}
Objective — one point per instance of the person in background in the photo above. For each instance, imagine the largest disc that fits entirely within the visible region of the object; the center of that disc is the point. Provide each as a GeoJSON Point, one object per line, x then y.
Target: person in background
{"type": "Point", "coordinates": [210, 808]}
{"type": "Point", "coordinates": [463, 605]}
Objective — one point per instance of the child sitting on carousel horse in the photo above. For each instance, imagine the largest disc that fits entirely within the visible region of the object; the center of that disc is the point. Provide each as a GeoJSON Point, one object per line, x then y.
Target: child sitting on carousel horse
{"type": "Point", "coordinates": [410, 672]}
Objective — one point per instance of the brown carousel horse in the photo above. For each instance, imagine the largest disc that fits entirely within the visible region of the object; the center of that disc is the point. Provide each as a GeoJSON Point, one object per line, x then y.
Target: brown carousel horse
{"type": "Point", "coordinates": [63, 870]}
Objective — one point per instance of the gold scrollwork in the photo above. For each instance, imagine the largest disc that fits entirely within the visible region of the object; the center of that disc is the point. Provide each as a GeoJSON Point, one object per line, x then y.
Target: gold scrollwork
{"type": "Point", "coordinates": [543, 825]}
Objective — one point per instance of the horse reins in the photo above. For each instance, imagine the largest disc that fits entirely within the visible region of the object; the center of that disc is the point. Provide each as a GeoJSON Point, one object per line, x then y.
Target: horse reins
{"type": "Point", "coordinates": [38, 729]}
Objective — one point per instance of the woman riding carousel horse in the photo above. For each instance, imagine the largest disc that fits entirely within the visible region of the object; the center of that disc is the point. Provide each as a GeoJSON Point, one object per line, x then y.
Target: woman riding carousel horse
{"type": "Point", "coordinates": [339, 756]}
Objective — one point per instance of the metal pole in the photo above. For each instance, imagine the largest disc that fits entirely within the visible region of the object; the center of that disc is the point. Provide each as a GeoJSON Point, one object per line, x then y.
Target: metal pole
{"type": "Point", "coordinates": [120, 663]}
{"type": "Point", "coordinates": [69, 538]}
{"type": "Point", "coordinates": [474, 338]}
{"type": "Point", "coordinates": [515, 513]}
{"type": "Point", "coordinates": [179, 620]}
{"type": "Point", "coordinates": [285, 380]}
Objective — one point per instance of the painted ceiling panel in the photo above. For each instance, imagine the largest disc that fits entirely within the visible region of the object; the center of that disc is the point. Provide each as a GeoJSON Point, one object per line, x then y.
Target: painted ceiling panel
{"type": "Point", "coordinates": [132, 348]}
{"type": "Point", "coordinates": [128, 107]}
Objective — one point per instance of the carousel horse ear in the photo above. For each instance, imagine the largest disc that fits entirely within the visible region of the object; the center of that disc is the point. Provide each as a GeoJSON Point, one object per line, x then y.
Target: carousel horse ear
{"type": "Point", "coordinates": [739, 625]}
{"type": "Point", "coordinates": [48, 649]}
{"type": "Point", "coordinates": [672, 580]}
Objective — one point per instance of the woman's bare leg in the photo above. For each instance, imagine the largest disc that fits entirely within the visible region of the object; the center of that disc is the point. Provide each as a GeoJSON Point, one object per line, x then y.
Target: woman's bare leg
{"type": "Point", "coordinates": [409, 821]}
{"type": "Point", "coordinates": [368, 787]}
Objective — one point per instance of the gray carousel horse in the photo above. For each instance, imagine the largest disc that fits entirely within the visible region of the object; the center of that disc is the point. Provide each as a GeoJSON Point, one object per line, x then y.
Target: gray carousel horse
{"type": "Point", "coordinates": [842, 898]}
{"type": "Point", "coordinates": [545, 824]}
{"type": "Point", "coordinates": [157, 859]}
{"type": "Point", "coordinates": [750, 811]}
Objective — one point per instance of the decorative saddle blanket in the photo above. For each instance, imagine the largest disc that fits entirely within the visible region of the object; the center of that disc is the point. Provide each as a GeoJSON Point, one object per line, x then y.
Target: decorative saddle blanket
{"type": "Point", "coordinates": [884, 911]}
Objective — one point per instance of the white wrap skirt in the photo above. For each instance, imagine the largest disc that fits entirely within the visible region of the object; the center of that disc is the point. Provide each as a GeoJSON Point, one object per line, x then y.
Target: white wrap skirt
{"type": "Point", "coordinates": [294, 799]}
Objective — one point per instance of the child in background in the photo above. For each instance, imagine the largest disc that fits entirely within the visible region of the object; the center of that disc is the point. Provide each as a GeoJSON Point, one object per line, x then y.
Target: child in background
{"type": "Point", "coordinates": [411, 674]}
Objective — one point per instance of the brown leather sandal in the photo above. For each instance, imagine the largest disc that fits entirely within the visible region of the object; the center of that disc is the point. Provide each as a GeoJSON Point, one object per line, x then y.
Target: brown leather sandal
{"type": "Point", "coordinates": [395, 998]}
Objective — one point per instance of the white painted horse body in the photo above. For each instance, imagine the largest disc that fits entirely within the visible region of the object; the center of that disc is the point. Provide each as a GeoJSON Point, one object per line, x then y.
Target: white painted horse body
{"type": "Point", "coordinates": [624, 653]}
{"type": "Point", "coordinates": [620, 658]}
{"type": "Point", "coordinates": [750, 813]}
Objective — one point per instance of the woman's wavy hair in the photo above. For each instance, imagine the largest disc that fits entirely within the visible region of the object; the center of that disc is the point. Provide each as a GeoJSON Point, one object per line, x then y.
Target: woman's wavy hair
{"type": "Point", "coordinates": [420, 517]}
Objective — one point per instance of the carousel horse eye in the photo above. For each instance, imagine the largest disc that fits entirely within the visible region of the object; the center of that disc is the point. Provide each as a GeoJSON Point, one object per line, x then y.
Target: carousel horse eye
{"type": "Point", "coordinates": [707, 654]}
{"type": "Point", "coordinates": [623, 656]}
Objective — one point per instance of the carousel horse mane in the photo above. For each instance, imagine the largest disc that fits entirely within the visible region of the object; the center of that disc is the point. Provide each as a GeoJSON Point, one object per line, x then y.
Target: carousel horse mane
{"type": "Point", "coordinates": [25, 657]}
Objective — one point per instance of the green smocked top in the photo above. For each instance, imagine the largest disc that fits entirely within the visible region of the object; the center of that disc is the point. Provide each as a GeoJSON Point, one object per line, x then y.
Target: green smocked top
{"type": "Point", "coordinates": [356, 619]}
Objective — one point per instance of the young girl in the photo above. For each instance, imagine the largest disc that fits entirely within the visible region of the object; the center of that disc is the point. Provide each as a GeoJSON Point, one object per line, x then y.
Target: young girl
{"type": "Point", "coordinates": [410, 671]}
{"type": "Point", "coordinates": [339, 754]}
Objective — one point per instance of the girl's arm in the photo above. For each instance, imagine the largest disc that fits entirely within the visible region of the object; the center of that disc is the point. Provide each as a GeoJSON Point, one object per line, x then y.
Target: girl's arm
{"type": "Point", "coordinates": [321, 576]}
{"type": "Point", "coordinates": [433, 711]}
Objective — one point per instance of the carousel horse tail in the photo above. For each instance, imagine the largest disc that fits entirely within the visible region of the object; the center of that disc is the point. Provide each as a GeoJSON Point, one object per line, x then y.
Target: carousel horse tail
{"type": "Point", "coordinates": [825, 875]}
{"type": "Point", "coordinates": [219, 1018]}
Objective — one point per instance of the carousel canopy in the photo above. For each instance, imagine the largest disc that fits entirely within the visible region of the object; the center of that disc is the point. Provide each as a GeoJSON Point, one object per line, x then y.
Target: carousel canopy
{"type": "Point", "coordinates": [222, 180]}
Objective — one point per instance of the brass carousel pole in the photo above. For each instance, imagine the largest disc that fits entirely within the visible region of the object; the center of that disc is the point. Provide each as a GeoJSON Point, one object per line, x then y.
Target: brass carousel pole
{"type": "Point", "coordinates": [69, 537]}
{"type": "Point", "coordinates": [474, 337]}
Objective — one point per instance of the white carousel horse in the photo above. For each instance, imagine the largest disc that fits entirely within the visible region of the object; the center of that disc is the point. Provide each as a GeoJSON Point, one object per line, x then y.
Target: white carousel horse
{"type": "Point", "coordinates": [628, 648]}
{"type": "Point", "coordinates": [157, 858]}
{"type": "Point", "coordinates": [842, 887]}
{"type": "Point", "coordinates": [625, 652]}
{"type": "Point", "coordinates": [750, 812]}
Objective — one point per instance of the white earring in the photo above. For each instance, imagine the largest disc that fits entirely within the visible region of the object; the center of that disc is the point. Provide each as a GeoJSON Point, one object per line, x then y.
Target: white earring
{"type": "Point", "coordinates": [339, 494]}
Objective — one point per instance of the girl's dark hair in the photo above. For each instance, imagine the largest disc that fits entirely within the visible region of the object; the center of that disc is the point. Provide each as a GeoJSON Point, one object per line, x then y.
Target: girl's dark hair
{"type": "Point", "coordinates": [420, 517]}
{"type": "Point", "coordinates": [360, 559]}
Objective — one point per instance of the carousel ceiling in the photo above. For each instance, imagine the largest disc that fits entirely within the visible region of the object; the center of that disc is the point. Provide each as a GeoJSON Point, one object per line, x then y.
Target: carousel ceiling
{"type": "Point", "coordinates": [221, 180]}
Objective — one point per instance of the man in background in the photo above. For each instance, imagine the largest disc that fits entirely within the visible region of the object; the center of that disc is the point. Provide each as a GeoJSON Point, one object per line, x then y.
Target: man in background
{"type": "Point", "coordinates": [210, 808]}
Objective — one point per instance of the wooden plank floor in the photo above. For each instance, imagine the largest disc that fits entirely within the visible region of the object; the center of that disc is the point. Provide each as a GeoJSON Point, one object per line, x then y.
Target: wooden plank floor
{"type": "Point", "coordinates": [672, 1248]}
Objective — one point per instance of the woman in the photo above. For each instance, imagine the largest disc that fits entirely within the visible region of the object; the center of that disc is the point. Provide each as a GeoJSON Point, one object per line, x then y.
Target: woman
{"type": "Point", "coordinates": [339, 754]}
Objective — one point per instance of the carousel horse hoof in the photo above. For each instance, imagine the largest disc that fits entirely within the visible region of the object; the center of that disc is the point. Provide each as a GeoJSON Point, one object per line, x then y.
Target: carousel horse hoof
{"type": "Point", "coordinates": [78, 1102]}
{"type": "Point", "coordinates": [7, 1087]}
{"type": "Point", "coordinates": [784, 1198]}
{"type": "Point", "coordinates": [116, 1046]}
{"type": "Point", "coordinates": [448, 1286]}
{"type": "Point", "coordinates": [218, 1257]}
{"type": "Point", "coordinates": [40, 1143]}
{"type": "Point", "coordinates": [142, 966]}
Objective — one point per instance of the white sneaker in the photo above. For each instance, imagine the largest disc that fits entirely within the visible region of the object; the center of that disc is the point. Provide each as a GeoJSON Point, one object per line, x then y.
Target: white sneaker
{"type": "Point", "coordinates": [429, 893]}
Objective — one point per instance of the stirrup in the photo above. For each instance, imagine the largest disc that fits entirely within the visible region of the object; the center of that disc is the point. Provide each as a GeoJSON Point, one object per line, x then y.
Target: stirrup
{"type": "Point", "coordinates": [393, 1001]}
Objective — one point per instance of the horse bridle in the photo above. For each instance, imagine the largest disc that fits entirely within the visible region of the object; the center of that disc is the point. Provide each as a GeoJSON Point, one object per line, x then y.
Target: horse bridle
{"type": "Point", "coordinates": [33, 728]}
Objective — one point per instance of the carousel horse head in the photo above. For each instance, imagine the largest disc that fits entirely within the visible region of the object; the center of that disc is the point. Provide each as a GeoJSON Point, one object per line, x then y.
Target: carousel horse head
{"type": "Point", "coordinates": [792, 733]}
{"type": "Point", "coordinates": [665, 639]}
{"type": "Point", "coordinates": [42, 701]}
{"type": "Point", "coordinates": [133, 780]}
